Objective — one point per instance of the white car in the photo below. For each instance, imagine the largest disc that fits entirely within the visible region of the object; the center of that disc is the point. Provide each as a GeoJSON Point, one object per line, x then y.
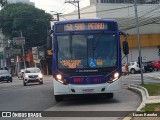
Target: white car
{"type": "Point", "coordinates": [32, 75]}
{"type": "Point", "coordinates": [20, 74]}
{"type": "Point", "coordinates": [133, 67]}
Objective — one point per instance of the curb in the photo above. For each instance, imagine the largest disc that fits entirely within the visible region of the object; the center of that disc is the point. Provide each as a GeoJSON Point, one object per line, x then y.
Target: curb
{"type": "Point", "coordinates": [142, 92]}
{"type": "Point", "coordinates": [146, 99]}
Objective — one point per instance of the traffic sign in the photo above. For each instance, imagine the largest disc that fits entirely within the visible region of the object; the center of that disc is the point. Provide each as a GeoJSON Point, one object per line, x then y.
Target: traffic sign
{"type": "Point", "coordinates": [19, 40]}
{"type": "Point", "coordinates": [13, 51]}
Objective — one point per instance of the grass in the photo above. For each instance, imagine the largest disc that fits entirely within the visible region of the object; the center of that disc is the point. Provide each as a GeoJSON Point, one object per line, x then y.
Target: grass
{"type": "Point", "coordinates": [153, 89]}
{"type": "Point", "coordinates": [151, 107]}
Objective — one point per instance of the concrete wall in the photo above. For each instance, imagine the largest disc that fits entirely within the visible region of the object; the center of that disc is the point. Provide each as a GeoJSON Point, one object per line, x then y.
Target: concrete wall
{"type": "Point", "coordinates": [148, 29]}
{"type": "Point", "coordinates": [148, 54]}
{"type": "Point", "coordinates": [93, 2]}
{"type": "Point", "coordinates": [125, 15]}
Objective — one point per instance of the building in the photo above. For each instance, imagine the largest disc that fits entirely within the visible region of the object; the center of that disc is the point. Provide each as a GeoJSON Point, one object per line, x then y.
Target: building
{"type": "Point", "coordinates": [124, 12]}
{"type": "Point", "coordinates": [124, 1]}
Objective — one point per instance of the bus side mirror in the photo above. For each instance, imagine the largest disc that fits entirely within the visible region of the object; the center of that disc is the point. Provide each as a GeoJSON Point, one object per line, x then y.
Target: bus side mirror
{"type": "Point", "coordinates": [49, 38]}
{"type": "Point", "coordinates": [49, 43]}
{"type": "Point", "coordinates": [125, 48]}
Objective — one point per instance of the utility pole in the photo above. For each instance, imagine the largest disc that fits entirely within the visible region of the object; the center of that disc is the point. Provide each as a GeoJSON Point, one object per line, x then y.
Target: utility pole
{"type": "Point", "coordinates": [3, 54]}
{"type": "Point", "coordinates": [23, 51]}
{"type": "Point", "coordinates": [139, 42]}
{"type": "Point", "coordinates": [72, 2]}
{"type": "Point", "coordinates": [57, 14]}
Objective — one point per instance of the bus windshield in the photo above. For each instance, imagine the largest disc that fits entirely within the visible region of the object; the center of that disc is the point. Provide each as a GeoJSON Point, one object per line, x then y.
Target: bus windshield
{"type": "Point", "coordinates": [87, 51]}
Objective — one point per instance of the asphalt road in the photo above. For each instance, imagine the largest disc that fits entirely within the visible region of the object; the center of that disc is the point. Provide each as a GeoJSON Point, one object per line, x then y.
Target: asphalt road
{"type": "Point", "coordinates": [150, 77]}
{"type": "Point", "coordinates": [34, 97]}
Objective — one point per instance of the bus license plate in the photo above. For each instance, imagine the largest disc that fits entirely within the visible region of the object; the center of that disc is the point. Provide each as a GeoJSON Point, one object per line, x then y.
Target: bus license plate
{"type": "Point", "coordinates": [88, 90]}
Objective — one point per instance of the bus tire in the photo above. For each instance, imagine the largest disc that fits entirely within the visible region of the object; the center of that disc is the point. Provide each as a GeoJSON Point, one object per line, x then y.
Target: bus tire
{"type": "Point", "coordinates": [58, 98]}
{"type": "Point", "coordinates": [109, 95]}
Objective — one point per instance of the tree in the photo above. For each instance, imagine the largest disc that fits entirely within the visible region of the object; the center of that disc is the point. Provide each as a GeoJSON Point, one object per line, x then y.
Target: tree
{"type": "Point", "coordinates": [31, 21]}
{"type": "Point", "coordinates": [3, 2]}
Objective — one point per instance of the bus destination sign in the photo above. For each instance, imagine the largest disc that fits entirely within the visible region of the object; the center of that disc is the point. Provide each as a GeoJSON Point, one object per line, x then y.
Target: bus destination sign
{"type": "Point", "coordinates": [85, 26]}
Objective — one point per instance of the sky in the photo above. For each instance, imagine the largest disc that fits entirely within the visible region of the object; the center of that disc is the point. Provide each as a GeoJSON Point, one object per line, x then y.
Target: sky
{"type": "Point", "coordinates": [58, 5]}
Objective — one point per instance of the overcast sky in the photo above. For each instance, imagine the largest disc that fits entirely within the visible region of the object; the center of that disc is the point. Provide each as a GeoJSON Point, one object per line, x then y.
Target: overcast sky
{"type": "Point", "coordinates": [58, 5]}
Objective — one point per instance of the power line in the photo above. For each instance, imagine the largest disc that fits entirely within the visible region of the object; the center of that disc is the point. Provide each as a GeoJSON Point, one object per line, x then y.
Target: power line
{"type": "Point", "coordinates": [77, 2]}
{"type": "Point", "coordinates": [101, 10]}
{"type": "Point", "coordinates": [66, 8]}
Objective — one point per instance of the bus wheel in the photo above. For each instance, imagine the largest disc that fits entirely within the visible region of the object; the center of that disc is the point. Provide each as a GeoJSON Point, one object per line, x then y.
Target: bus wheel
{"type": "Point", "coordinates": [109, 95]}
{"type": "Point", "coordinates": [58, 98]}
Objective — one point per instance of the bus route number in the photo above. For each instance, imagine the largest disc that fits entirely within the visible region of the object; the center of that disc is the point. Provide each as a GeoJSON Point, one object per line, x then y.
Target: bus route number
{"type": "Point", "coordinates": [77, 27]}
{"type": "Point", "coordinates": [84, 26]}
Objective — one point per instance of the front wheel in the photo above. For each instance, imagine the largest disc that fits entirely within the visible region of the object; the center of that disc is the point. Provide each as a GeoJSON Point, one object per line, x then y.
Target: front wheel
{"type": "Point", "coordinates": [41, 82]}
{"type": "Point", "coordinates": [133, 71]}
{"type": "Point", "coordinates": [58, 98]}
{"type": "Point", "coordinates": [10, 79]}
{"type": "Point", "coordinates": [24, 83]}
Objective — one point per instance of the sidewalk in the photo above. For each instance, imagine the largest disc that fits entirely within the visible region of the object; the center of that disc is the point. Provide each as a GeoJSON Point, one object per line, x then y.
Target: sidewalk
{"type": "Point", "coordinates": [146, 99]}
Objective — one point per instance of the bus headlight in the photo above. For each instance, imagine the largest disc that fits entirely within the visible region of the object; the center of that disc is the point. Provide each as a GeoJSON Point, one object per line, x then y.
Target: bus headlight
{"type": "Point", "coordinates": [114, 77]}
{"type": "Point", "coordinates": [58, 76]}
{"type": "Point", "coordinates": [60, 79]}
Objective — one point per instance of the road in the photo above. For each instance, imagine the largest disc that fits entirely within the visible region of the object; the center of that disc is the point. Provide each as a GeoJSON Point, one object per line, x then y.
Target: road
{"type": "Point", "coordinates": [153, 77]}
{"type": "Point", "coordinates": [34, 97]}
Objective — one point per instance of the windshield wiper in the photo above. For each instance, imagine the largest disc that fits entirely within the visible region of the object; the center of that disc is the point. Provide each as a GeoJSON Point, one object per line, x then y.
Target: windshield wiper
{"type": "Point", "coordinates": [70, 43]}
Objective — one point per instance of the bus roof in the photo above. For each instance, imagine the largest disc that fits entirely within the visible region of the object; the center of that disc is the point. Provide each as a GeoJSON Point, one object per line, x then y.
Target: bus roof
{"type": "Point", "coordinates": [85, 20]}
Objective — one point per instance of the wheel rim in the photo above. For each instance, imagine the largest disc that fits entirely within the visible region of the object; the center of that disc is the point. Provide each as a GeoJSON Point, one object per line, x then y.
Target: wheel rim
{"type": "Point", "coordinates": [132, 71]}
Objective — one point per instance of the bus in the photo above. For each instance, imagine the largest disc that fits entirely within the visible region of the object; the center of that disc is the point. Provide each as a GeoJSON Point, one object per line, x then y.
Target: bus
{"type": "Point", "coordinates": [86, 58]}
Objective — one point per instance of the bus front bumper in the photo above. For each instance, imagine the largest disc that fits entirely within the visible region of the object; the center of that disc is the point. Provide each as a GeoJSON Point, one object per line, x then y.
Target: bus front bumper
{"type": "Point", "coordinates": [60, 89]}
